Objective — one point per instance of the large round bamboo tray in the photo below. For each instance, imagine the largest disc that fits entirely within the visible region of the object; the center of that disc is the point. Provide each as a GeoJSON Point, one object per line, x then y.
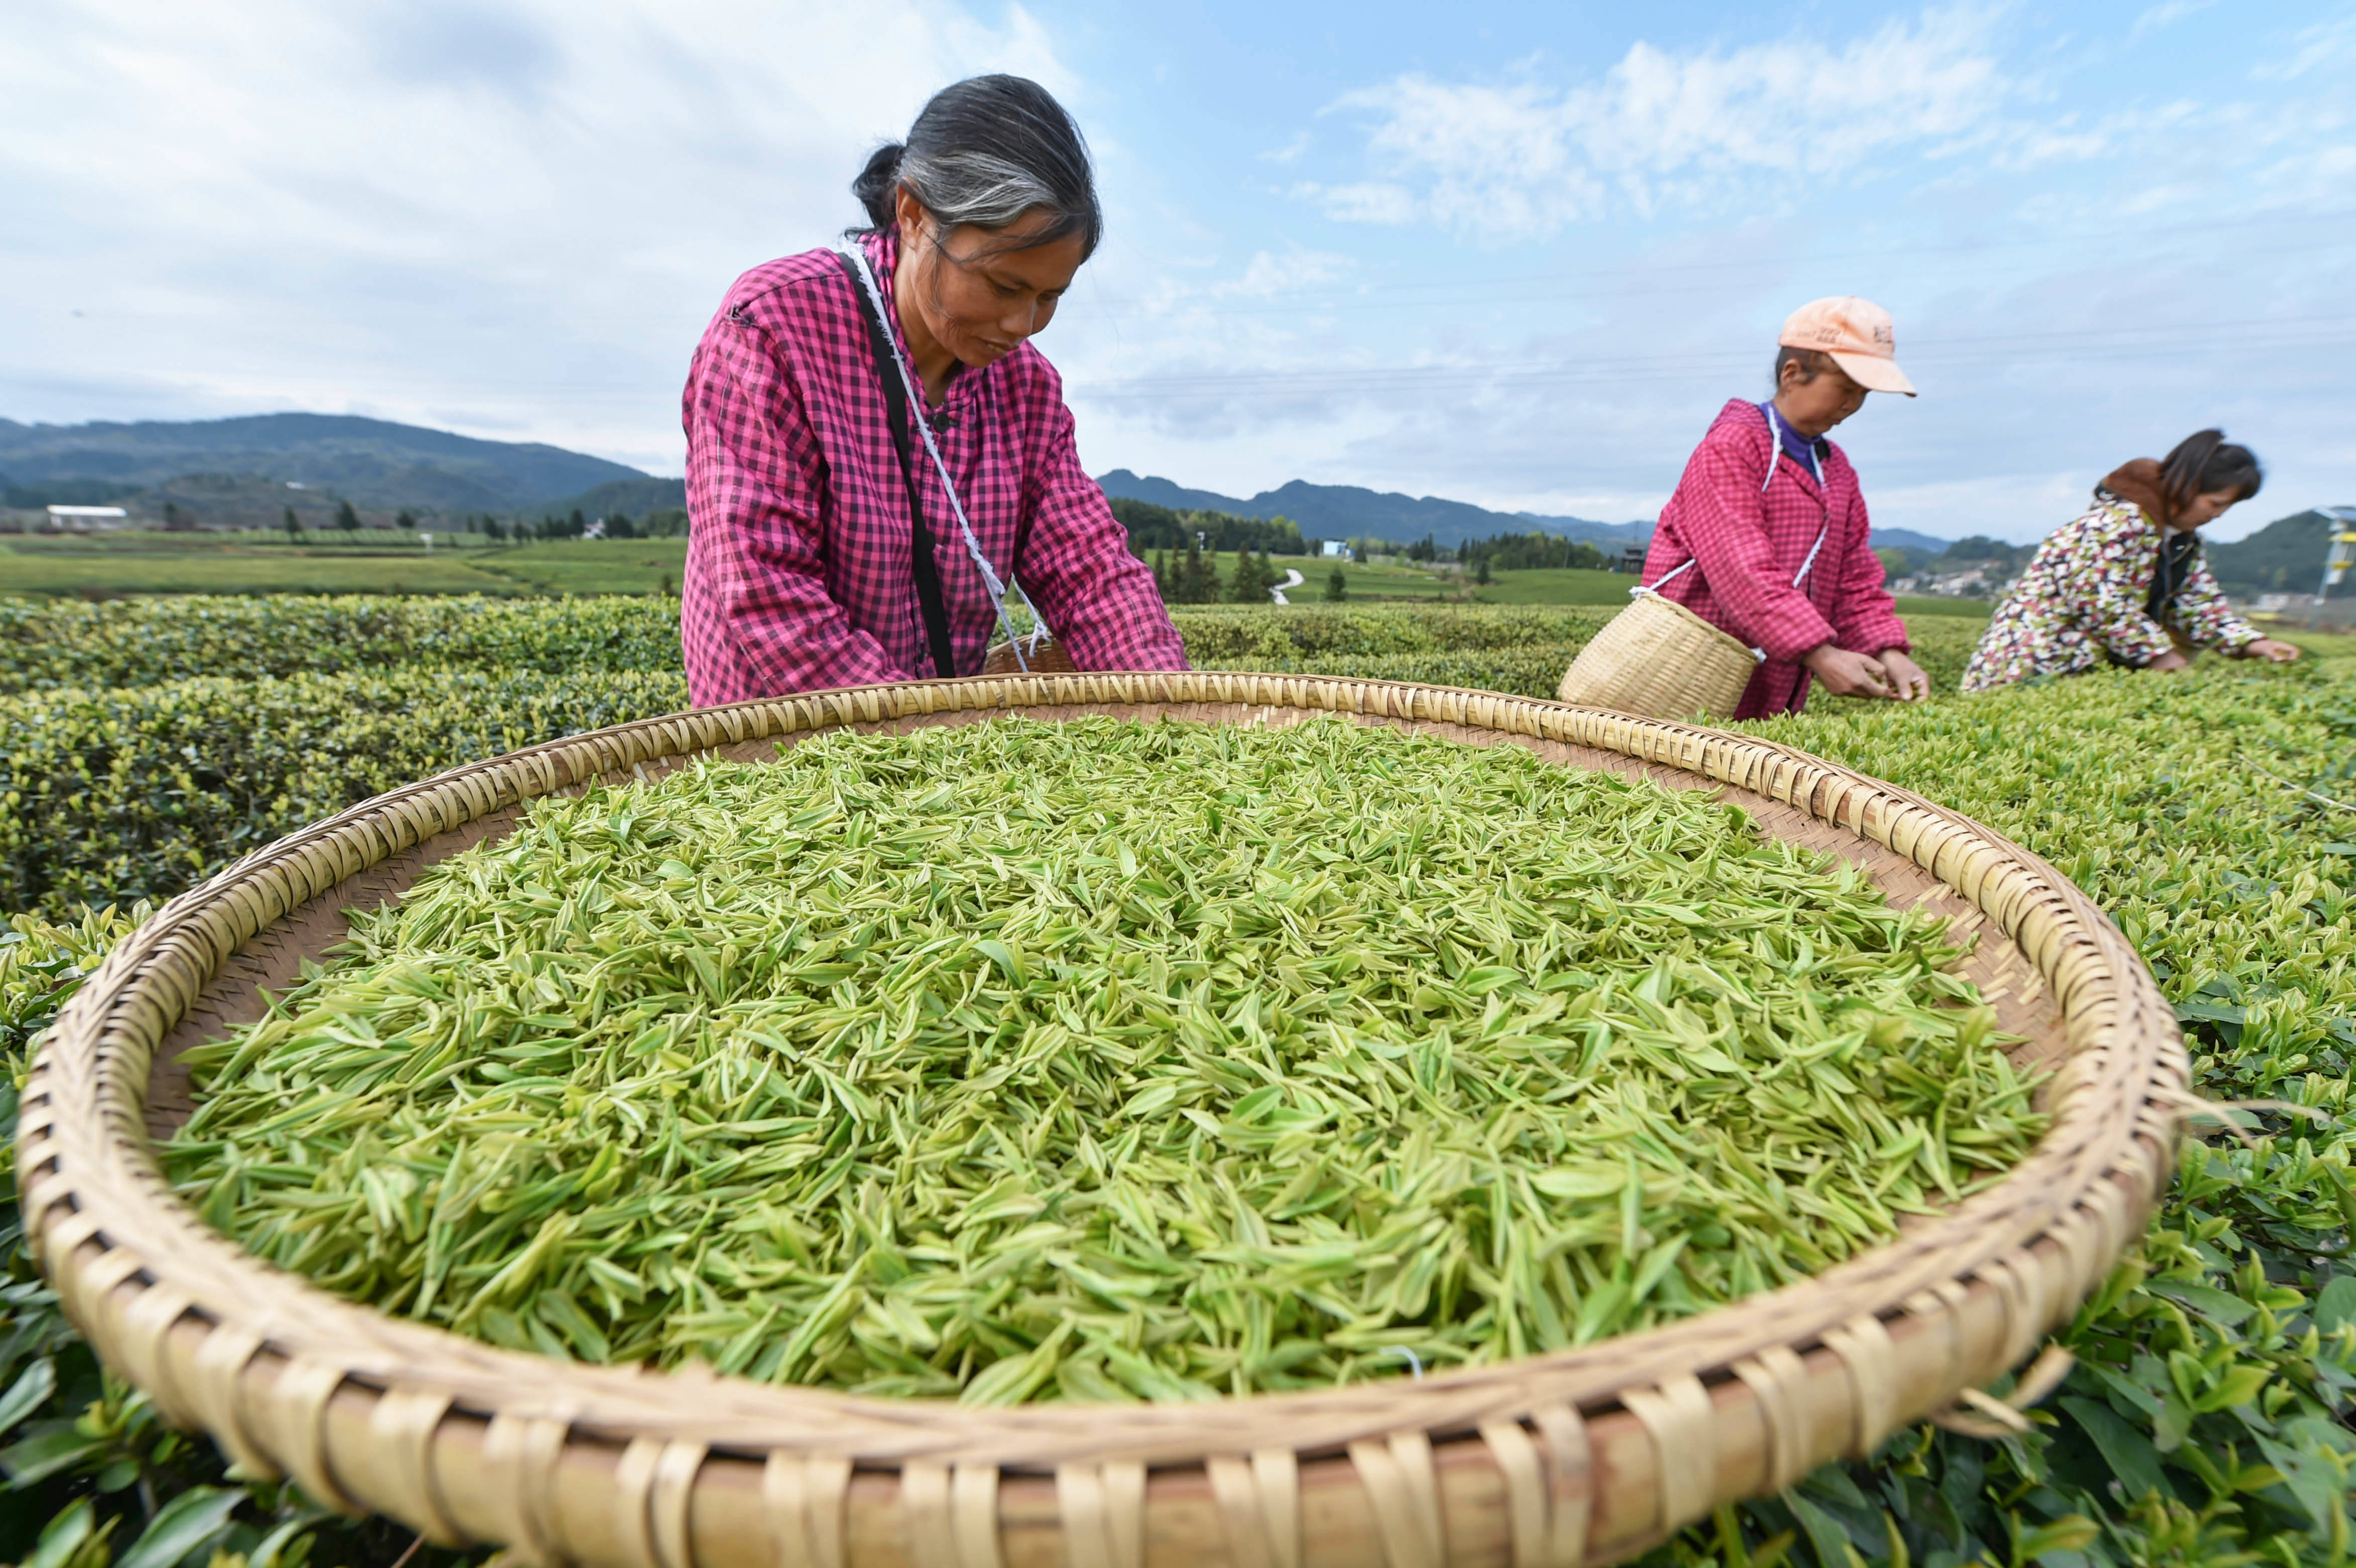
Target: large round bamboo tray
{"type": "Point", "coordinates": [1585, 1456]}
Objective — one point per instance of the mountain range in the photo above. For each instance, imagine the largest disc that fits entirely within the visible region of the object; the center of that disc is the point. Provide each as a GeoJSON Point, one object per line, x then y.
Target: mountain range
{"type": "Point", "coordinates": [1349, 511]}
{"type": "Point", "coordinates": [248, 470]}
{"type": "Point", "coordinates": [371, 462]}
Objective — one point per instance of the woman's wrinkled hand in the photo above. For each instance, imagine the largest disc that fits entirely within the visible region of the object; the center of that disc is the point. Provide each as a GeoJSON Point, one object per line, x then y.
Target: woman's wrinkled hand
{"type": "Point", "coordinates": [2171, 660]}
{"type": "Point", "coordinates": [1907, 681]}
{"type": "Point", "coordinates": [2271, 650]}
{"type": "Point", "coordinates": [1845, 674]}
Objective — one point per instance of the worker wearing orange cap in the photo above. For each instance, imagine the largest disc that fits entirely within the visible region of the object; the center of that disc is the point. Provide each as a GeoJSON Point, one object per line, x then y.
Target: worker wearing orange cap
{"type": "Point", "coordinates": [1766, 535]}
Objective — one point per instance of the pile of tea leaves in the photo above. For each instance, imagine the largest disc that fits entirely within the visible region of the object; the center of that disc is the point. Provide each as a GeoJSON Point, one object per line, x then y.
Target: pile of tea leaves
{"type": "Point", "coordinates": [1101, 1061]}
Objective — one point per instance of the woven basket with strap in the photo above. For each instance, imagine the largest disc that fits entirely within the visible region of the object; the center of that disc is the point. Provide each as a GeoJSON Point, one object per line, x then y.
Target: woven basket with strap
{"type": "Point", "coordinates": [1659, 659]}
{"type": "Point", "coordinates": [1576, 1456]}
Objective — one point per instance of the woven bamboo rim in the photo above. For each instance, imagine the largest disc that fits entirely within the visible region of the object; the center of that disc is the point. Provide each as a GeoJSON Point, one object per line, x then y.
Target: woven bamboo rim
{"type": "Point", "coordinates": [1659, 660]}
{"type": "Point", "coordinates": [1584, 1455]}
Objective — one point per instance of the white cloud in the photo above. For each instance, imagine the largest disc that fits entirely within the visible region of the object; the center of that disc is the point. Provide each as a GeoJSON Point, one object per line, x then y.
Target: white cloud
{"type": "Point", "coordinates": [1268, 275]}
{"type": "Point", "coordinates": [1369, 201]}
{"type": "Point", "coordinates": [2167, 15]}
{"type": "Point", "coordinates": [510, 215]}
{"type": "Point", "coordinates": [1663, 129]}
{"type": "Point", "coordinates": [1291, 151]}
{"type": "Point", "coordinates": [2326, 43]}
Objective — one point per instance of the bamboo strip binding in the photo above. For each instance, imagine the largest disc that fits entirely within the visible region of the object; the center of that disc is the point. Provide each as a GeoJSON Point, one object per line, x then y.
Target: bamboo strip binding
{"type": "Point", "coordinates": [1581, 1456]}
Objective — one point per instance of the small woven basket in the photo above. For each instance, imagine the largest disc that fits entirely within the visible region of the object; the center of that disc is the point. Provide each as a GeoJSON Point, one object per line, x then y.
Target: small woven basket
{"type": "Point", "coordinates": [1659, 659]}
{"type": "Point", "coordinates": [1584, 1455]}
{"type": "Point", "coordinates": [1042, 655]}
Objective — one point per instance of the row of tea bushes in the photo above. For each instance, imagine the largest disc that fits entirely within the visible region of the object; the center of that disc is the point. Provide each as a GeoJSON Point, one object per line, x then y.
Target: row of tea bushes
{"type": "Point", "coordinates": [124, 789]}
{"type": "Point", "coordinates": [65, 642]}
{"type": "Point", "coordinates": [114, 794]}
{"type": "Point", "coordinates": [50, 643]}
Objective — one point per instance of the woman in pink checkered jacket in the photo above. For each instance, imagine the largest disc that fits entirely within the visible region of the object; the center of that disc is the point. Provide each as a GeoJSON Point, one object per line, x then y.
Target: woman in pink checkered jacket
{"type": "Point", "coordinates": [876, 455]}
{"type": "Point", "coordinates": [1766, 538]}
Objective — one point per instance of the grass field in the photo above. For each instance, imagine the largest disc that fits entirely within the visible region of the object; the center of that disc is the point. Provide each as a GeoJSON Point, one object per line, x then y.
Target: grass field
{"type": "Point", "coordinates": [99, 565]}
{"type": "Point", "coordinates": [1400, 583]}
{"type": "Point", "coordinates": [105, 564]}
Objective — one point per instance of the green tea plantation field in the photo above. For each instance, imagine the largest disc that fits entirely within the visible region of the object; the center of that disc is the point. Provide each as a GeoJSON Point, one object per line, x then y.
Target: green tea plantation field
{"type": "Point", "coordinates": [145, 742]}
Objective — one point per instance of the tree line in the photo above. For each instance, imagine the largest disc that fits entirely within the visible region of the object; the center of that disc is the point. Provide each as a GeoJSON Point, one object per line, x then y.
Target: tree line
{"type": "Point", "coordinates": [1153, 528]}
{"type": "Point", "coordinates": [669, 524]}
{"type": "Point", "coordinates": [1516, 552]}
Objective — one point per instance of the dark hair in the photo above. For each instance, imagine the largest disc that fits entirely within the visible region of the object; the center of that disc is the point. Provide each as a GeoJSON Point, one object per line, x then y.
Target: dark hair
{"type": "Point", "coordinates": [985, 152]}
{"type": "Point", "coordinates": [1812, 363]}
{"type": "Point", "coordinates": [2205, 461]}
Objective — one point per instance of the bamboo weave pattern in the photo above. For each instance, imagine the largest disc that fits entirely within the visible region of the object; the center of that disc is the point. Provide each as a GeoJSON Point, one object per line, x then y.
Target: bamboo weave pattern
{"type": "Point", "coordinates": [1583, 1456]}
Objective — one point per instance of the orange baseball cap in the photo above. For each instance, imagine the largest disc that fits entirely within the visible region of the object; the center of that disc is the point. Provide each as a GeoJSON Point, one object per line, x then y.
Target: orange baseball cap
{"type": "Point", "coordinates": [1857, 335]}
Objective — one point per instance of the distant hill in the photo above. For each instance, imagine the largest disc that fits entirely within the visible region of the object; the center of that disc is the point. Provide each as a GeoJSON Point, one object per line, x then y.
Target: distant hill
{"type": "Point", "coordinates": [373, 463]}
{"type": "Point", "coordinates": [1347, 511]}
{"type": "Point", "coordinates": [635, 498]}
{"type": "Point", "coordinates": [2284, 557]}
{"type": "Point", "coordinates": [1907, 538]}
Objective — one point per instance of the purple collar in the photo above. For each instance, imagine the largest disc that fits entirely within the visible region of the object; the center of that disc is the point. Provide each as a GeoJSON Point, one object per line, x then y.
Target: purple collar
{"type": "Point", "coordinates": [1808, 454]}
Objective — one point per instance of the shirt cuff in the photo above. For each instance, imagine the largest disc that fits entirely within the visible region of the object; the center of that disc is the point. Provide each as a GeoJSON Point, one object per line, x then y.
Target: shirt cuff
{"type": "Point", "coordinates": [1789, 641]}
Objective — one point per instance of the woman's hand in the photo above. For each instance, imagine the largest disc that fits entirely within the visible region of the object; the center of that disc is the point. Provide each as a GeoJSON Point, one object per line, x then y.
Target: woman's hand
{"type": "Point", "coordinates": [2270, 650]}
{"type": "Point", "coordinates": [2171, 660]}
{"type": "Point", "coordinates": [1907, 681]}
{"type": "Point", "coordinates": [1845, 674]}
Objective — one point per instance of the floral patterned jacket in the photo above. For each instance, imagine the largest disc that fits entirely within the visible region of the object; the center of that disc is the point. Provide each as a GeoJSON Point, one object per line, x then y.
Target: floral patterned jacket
{"type": "Point", "coordinates": [2083, 599]}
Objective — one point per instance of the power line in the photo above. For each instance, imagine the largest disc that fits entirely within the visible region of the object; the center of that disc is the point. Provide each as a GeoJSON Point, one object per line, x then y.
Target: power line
{"type": "Point", "coordinates": [1961, 252]}
{"type": "Point", "coordinates": [2045, 349]}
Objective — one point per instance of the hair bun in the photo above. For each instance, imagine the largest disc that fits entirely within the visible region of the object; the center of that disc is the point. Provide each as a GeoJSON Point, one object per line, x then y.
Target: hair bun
{"type": "Point", "coordinates": [878, 185]}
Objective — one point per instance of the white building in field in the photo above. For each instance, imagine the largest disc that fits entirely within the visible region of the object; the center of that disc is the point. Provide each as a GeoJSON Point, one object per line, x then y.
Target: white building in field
{"type": "Point", "coordinates": [81, 519]}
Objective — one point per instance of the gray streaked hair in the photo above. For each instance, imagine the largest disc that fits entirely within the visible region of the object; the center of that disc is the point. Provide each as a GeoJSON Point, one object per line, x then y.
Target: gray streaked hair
{"type": "Point", "coordinates": [985, 152]}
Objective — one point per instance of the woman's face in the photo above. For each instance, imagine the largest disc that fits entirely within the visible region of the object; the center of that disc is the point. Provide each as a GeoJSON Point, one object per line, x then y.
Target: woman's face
{"type": "Point", "coordinates": [1814, 407]}
{"type": "Point", "coordinates": [2207, 508]}
{"type": "Point", "coordinates": [980, 292]}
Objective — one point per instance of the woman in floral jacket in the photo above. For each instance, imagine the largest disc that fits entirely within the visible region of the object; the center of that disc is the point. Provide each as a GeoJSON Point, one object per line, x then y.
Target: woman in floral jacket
{"type": "Point", "coordinates": [2125, 583]}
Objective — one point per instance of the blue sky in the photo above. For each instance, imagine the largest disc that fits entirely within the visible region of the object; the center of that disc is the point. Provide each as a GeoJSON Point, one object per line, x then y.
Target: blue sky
{"type": "Point", "coordinates": [1514, 254]}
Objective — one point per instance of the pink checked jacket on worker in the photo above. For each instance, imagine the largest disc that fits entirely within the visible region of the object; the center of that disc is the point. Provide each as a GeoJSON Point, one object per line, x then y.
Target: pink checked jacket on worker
{"type": "Point", "coordinates": [798, 571]}
{"type": "Point", "coordinates": [1750, 534]}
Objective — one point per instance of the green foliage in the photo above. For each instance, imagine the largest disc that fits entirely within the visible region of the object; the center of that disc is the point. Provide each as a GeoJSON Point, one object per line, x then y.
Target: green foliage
{"type": "Point", "coordinates": [92, 1475]}
{"type": "Point", "coordinates": [139, 642]}
{"type": "Point", "coordinates": [122, 793]}
{"type": "Point", "coordinates": [1255, 575]}
{"type": "Point", "coordinates": [1337, 587]}
{"type": "Point", "coordinates": [2208, 1422]}
{"type": "Point", "coordinates": [1162, 528]}
{"type": "Point", "coordinates": [1528, 552]}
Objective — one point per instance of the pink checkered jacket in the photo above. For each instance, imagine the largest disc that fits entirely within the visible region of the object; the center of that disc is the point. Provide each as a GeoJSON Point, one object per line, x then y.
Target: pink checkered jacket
{"type": "Point", "coordinates": [1749, 535]}
{"type": "Point", "coordinates": [797, 558]}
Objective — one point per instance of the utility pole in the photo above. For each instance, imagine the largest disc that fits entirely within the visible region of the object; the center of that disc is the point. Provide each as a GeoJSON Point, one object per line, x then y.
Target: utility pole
{"type": "Point", "coordinates": [2343, 550]}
